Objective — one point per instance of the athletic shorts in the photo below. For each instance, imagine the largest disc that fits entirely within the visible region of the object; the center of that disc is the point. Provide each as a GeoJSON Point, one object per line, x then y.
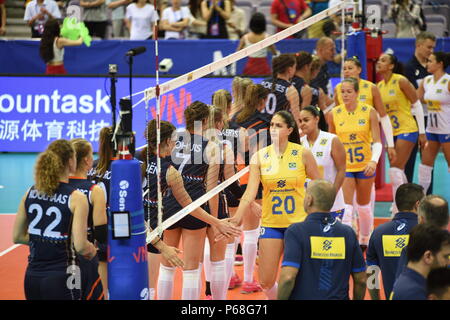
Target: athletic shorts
{"type": "Point", "coordinates": [231, 199]}
{"type": "Point", "coordinates": [441, 138]}
{"type": "Point", "coordinates": [223, 207]}
{"type": "Point", "coordinates": [272, 233]}
{"type": "Point", "coordinates": [411, 137]}
{"type": "Point", "coordinates": [359, 175]}
{"type": "Point", "coordinates": [188, 222]}
{"type": "Point", "coordinates": [338, 214]}
{"type": "Point", "coordinates": [51, 286]}
{"type": "Point", "coordinates": [91, 285]}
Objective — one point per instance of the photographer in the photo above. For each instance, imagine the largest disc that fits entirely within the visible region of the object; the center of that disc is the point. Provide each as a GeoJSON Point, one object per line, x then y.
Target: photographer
{"type": "Point", "coordinates": [408, 18]}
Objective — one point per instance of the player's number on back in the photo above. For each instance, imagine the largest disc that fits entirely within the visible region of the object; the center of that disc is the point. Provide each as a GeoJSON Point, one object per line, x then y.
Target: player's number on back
{"type": "Point", "coordinates": [395, 123]}
{"type": "Point", "coordinates": [288, 204]}
{"type": "Point", "coordinates": [271, 104]}
{"type": "Point", "coordinates": [48, 232]}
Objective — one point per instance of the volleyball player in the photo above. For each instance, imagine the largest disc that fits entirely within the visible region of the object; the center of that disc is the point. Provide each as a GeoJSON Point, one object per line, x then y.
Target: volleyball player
{"type": "Point", "coordinates": [171, 179]}
{"type": "Point", "coordinates": [238, 88]}
{"type": "Point", "coordinates": [52, 219]}
{"type": "Point", "coordinates": [368, 94]}
{"type": "Point", "coordinates": [329, 153]}
{"type": "Point", "coordinates": [97, 219]}
{"type": "Point", "coordinates": [356, 125]}
{"type": "Point", "coordinates": [400, 100]}
{"type": "Point", "coordinates": [282, 168]}
{"type": "Point", "coordinates": [196, 161]}
{"type": "Point", "coordinates": [283, 94]}
{"type": "Point", "coordinates": [256, 135]}
{"type": "Point", "coordinates": [435, 91]}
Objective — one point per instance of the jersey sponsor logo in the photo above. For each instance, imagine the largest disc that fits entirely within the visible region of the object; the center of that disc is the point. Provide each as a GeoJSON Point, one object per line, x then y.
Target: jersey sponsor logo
{"type": "Point", "coordinates": [292, 165]}
{"type": "Point", "coordinates": [393, 244]}
{"type": "Point", "coordinates": [323, 142]}
{"type": "Point", "coordinates": [281, 183]}
{"type": "Point", "coordinates": [352, 136]}
{"type": "Point", "coordinates": [327, 247]}
{"type": "Point", "coordinates": [319, 154]}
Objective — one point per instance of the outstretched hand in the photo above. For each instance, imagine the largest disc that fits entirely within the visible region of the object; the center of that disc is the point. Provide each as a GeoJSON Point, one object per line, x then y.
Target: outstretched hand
{"type": "Point", "coordinates": [171, 255]}
{"type": "Point", "coordinates": [227, 228]}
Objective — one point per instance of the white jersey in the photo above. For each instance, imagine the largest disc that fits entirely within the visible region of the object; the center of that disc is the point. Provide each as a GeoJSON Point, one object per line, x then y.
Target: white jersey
{"type": "Point", "coordinates": [321, 151]}
{"type": "Point", "coordinates": [437, 99]}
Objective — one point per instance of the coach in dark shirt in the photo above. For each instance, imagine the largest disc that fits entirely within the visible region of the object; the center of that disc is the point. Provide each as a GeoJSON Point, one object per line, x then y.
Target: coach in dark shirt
{"type": "Point", "coordinates": [388, 240]}
{"type": "Point", "coordinates": [415, 71]}
{"type": "Point", "coordinates": [321, 253]}
{"type": "Point", "coordinates": [428, 249]}
{"type": "Point", "coordinates": [325, 50]}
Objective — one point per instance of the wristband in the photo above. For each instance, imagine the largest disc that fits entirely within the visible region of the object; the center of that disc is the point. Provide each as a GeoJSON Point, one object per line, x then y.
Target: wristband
{"type": "Point", "coordinates": [417, 111]}
{"type": "Point", "coordinates": [377, 148]}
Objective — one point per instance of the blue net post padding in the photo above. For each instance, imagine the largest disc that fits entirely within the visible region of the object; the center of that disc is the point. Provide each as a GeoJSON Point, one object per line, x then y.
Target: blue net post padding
{"type": "Point", "coordinates": [127, 258]}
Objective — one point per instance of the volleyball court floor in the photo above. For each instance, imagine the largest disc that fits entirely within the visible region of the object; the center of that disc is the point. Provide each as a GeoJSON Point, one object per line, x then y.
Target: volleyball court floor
{"type": "Point", "coordinates": [16, 175]}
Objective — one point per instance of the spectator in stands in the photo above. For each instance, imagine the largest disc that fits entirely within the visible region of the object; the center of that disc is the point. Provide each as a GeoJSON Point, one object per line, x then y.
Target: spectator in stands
{"type": "Point", "coordinates": [139, 19]}
{"type": "Point", "coordinates": [175, 20]}
{"type": "Point", "coordinates": [316, 30]}
{"type": "Point", "coordinates": [38, 12]}
{"type": "Point", "coordinates": [438, 284]}
{"type": "Point", "coordinates": [286, 13]}
{"type": "Point", "coordinates": [237, 23]}
{"type": "Point", "coordinates": [408, 17]}
{"type": "Point", "coordinates": [415, 71]}
{"type": "Point", "coordinates": [216, 13]}
{"type": "Point", "coordinates": [325, 50]}
{"type": "Point", "coordinates": [94, 17]}
{"type": "Point", "coordinates": [2, 17]}
{"type": "Point", "coordinates": [117, 8]}
{"type": "Point", "coordinates": [257, 63]}
{"type": "Point", "coordinates": [197, 27]}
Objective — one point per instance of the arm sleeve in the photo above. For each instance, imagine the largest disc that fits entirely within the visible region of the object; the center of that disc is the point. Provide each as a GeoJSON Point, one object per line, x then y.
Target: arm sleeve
{"type": "Point", "coordinates": [292, 248]}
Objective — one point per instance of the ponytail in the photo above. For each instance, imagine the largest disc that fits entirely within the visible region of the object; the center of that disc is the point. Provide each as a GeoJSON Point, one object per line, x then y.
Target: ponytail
{"type": "Point", "coordinates": [398, 66]}
{"type": "Point", "coordinates": [255, 93]}
{"type": "Point", "coordinates": [82, 149]}
{"type": "Point", "coordinates": [280, 65]}
{"type": "Point", "coordinates": [106, 150]}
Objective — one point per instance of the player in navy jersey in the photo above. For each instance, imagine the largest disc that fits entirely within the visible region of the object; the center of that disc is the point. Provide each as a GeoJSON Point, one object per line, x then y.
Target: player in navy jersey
{"type": "Point", "coordinates": [52, 219]}
{"type": "Point", "coordinates": [197, 163]}
{"type": "Point", "coordinates": [97, 219]}
{"type": "Point", "coordinates": [283, 95]}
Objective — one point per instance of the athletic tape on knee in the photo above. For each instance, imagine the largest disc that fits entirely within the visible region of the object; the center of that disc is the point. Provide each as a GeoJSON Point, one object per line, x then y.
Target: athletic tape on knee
{"type": "Point", "coordinates": [166, 273]}
{"type": "Point", "coordinates": [347, 218]}
{"type": "Point", "coordinates": [365, 221]}
{"type": "Point", "coordinates": [425, 175]}
{"type": "Point", "coordinates": [251, 236]}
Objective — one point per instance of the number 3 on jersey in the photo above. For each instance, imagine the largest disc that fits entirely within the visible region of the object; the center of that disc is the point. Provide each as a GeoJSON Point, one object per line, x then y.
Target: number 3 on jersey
{"type": "Point", "coordinates": [288, 204]}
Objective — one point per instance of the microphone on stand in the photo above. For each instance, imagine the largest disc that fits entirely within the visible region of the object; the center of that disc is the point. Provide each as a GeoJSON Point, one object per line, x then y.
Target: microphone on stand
{"type": "Point", "coordinates": [136, 51]}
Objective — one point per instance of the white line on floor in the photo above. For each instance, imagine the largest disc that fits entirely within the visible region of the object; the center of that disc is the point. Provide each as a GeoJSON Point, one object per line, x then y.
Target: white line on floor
{"type": "Point", "coordinates": [9, 249]}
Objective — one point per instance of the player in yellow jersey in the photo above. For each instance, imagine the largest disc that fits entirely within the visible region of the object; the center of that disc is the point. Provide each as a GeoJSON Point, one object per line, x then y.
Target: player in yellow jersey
{"type": "Point", "coordinates": [356, 125]}
{"type": "Point", "coordinates": [434, 90]}
{"type": "Point", "coordinates": [401, 102]}
{"type": "Point", "coordinates": [368, 94]}
{"type": "Point", "coordinates": [282, 168]}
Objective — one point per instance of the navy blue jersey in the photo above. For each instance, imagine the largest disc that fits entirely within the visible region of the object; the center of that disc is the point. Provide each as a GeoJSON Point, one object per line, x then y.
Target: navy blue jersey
{"type": "Point", "coordinates": [326, 252]}
{"type": "Point", "coordinates": [85, 186]}
{"type": "Point", "coordinates": [231, 136]}
{"type": "Point", "coordinates": [315, 96]}
{"type": "Point", "coordinates": [298, 83]}
{"type": "Point", "coordinates": [277, 99]}
{"type": "Point", "coordinates": [49, 222]}
{"type": "Point", "coordinates": [386, 244]}
{"type": "Point", "coordinates": [189, 159]}
{"type": "Point", "coordinates": [151, 199]}
{"type": "Point", "coordinates": [103, 181]}
{"type": "Point", "coordinates": [322, 80]}
{"type": "Point", "coordinates": [409, 286]}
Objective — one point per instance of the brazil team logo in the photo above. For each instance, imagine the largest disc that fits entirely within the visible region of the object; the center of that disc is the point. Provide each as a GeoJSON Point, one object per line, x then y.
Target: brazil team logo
{"type": "Point", "coordinates": [294, 152]}
{"type": "Point", "coordinates": [281, 183]}
{"type": "Point", "coordinates": [292, 165]}
{"type": "Point", "coordinates": [319, 154]}
{"type": "Point", "coordinates": [362, 122]}
{"type": "Point", "coordinates": [323, 142]}
{"type": "Point", "coordinates": [393, 244]}
{"type": "Point", "coordinates": [392, 92]}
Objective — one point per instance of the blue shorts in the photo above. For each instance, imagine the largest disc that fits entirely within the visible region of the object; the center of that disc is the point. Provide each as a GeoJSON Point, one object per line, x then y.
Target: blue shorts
{"type": "Point", "coordinates": [359, 175]}
{"type": "Point", "coordinates": [411, 137]}
{"type": "Point", "coordinates": [441, 138]}
{"type": "Point", "coordinates": [272, 233]}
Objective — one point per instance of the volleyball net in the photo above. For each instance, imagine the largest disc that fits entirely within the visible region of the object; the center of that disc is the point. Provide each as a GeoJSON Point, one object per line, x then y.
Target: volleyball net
{"type": "Point", "coordinates": [168, 101]}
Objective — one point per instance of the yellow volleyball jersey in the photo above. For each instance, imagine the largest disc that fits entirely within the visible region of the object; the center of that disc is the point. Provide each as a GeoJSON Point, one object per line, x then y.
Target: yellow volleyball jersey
{"type": "Point", "coordinates": [397, 105]}
{"type": "Point", "coordinates": [354, 131]}
{"type": "Point", "coordinates": [365, 92]}
{"type": "Point", "coordinates": [283, 179]}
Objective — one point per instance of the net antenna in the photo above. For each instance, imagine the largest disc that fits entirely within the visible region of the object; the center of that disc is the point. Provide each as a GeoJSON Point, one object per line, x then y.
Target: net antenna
{"type": "Point", "coordinates": [158, 90]}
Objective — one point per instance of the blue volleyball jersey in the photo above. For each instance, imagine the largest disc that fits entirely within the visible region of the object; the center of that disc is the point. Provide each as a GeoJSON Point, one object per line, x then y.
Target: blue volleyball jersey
{"type": "Point", "coordinates": [326, 252]}
{"type": "Point", "coordinates": [49, 222]}
{"type": "Point", "coordinates": [151, 199]}
{"type": "Point", "coordinates": [231, 137]}
{"type": "Point", "coordinates": [103, 181]}
{"type": "Point", "coordinates": [409, 286]}
{"type": "Point", "coordinates": [386, 244]}
{"type": "Point", "coordinates": [277, 99]}
{"type": "Point", "coordinates": [189, 158]}
{"type": "Point", "coordinates": [85, 186]}
{"type": "Point", "coordinates": [298, 83]}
